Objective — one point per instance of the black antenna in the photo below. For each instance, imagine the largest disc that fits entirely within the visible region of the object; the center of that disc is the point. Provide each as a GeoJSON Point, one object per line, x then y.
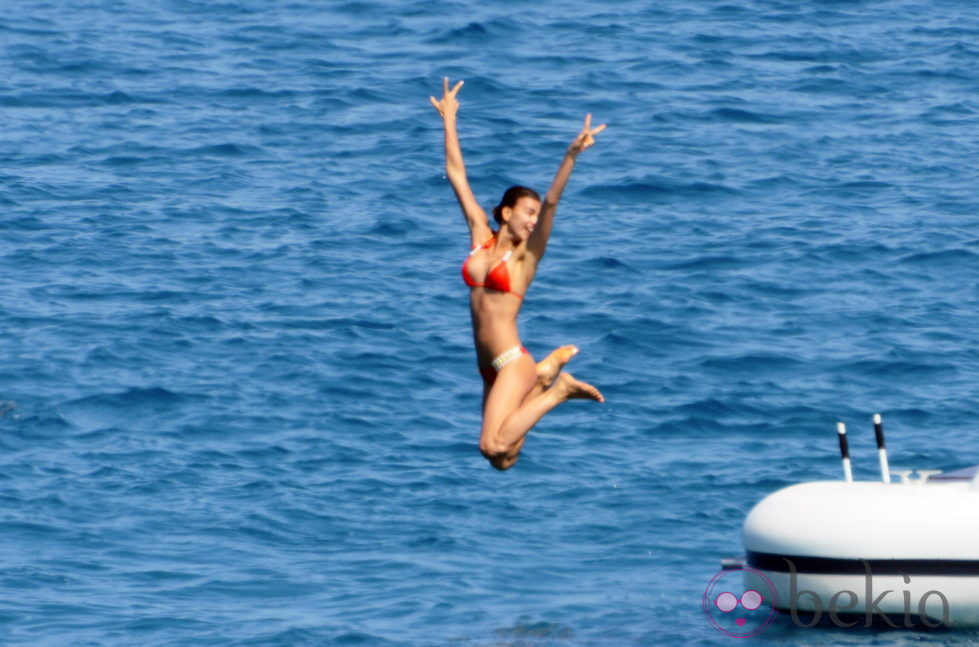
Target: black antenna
{"type": "Point", "coordinates": [844, 452]}
{"type": "Point", "coordinates": [885, 472]}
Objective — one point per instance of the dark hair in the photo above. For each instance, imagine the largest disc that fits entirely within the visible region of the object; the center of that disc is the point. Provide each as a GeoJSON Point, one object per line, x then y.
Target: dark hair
{"type": "Point", "coordinates": [510, 198]}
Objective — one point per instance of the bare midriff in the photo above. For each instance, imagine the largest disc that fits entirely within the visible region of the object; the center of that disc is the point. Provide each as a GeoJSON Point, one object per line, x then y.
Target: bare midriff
{"type": "Point", "coordinates": [494, 317]}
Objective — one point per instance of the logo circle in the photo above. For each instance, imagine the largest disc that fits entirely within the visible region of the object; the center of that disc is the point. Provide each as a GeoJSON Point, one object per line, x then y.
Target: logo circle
{"type": "Point", "coordinates": [736, 611]}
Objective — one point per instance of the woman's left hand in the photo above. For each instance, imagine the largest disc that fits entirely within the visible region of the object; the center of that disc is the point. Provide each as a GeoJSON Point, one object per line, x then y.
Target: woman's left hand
{"type": "Point", "coordinates": [448, 106]}
{"type": "Point", "coordinates": [586, 138]}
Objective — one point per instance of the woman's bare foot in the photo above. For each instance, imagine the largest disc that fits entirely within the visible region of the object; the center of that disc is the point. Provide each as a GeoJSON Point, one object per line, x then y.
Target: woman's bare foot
{"type": "Point", "coordinates": [575, 389]}
{"type": "Point", "coordinates": [549, 367]}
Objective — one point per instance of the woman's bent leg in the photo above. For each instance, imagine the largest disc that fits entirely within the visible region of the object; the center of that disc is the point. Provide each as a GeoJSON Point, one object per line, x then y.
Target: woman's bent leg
{"type": "Point", "coordinates": [521, 421]}
{"type": "Point", "coordinates": [509, 414]}
{"type": "Point", "coordinates": [508, 392]}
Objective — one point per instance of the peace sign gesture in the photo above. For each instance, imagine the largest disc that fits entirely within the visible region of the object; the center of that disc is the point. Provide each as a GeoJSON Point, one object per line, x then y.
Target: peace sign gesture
{"type": "Point", "coordinates": [586, 138]}
{"type": "Point", "coordinates": [449, 105]}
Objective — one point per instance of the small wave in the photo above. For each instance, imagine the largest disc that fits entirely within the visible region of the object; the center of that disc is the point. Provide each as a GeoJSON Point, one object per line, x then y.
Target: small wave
{"type": "Point", "coordinates": [730, 9]}
{"type": "Point", "coordinates": [653, 189]}
{"type": "Point", "coordinates": [395, 230]}
{"type": "Point", "coordinates": [118, 98]}
{"type": "Point", "coordinates": [825, 86]}
{"type": "Point", "coordinates": [58, 99]}
{"type": "Point", "coordinates": [707, 263]}
{"type": "Point", "coordinates": [130, 397]}
{"type": "Point", "coordinates": [256, 93]}
{"type": "Point", "coordinates": [606, 262]}
{"type": "Point", "coordinates": [123, 409]}
{"type": "Point", "coordinates": [69, 99]}
{"type": "Point", "coordinates": [42, 425]}
{"type": "Point", "coordinates": [743, 116]}
{"type": "Point", "coordinates": [895, 368]}
{"type": "Point", "coordinates": [336, 323]}
{"type": "Point", "coordinates": [709, 407]}
{"type": "Point", "coordinates": [957, 108]}
{"type": "Point", "coordinates": [122, 161]}
{"type": "Point", "coordinates": [198, 323]}
{"type": "Point", "coordinates": [758, 363]}
{"type": "Point", "coordinates": [774, 181]}
{"type": "Point", "coordinates": [14, 530]}
{"type": "Point", "coordinates": [472, 30]}
{"type": "Point", "coordinates": [822, 69]}
{"type": "Point", "coordinates": [478, 32]}
{"type": "Point", "coordinates": [229, 149]}
{"type": "Point", "coordinates": [942, 258]}
{"type": "Point", "coordinates": [866, 185]}
{"type": "Point", "coordinates": [27, 31]}
{"type": "Point", "coordinates": [535, 631]}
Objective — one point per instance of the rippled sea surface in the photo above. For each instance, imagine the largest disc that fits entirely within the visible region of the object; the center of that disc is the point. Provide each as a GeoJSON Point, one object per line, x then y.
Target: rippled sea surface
{"type": "Point", "coordinates": [238, 396]}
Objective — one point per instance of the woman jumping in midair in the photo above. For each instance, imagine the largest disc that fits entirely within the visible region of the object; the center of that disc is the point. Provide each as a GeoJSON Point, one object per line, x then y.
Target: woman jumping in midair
{"type": "Point", "coordinates": [499, 269]}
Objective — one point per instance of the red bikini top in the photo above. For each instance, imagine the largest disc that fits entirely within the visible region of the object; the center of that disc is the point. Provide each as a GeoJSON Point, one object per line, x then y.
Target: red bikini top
{"type": "Point", "coordinates": [497, 279]}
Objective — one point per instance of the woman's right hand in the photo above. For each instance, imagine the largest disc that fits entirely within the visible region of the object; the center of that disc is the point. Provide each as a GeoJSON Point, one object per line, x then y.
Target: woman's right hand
{"type": "Point", "coordinates": [449, 105]}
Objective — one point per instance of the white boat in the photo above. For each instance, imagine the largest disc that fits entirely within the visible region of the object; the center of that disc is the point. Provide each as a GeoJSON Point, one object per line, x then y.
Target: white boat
{"type": "Point", "coordinates": [854, 553]}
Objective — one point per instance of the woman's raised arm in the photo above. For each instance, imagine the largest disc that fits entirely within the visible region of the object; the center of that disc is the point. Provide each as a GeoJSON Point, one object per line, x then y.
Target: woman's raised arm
{"type": "Point", "coordinates": [537, 243]}
{"type": "Point", "coordinates": [455, 168]}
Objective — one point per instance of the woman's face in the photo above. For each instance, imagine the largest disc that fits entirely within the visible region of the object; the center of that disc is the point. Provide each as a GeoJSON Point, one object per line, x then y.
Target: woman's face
{"type": "Point", "coordinates": [522, 217]}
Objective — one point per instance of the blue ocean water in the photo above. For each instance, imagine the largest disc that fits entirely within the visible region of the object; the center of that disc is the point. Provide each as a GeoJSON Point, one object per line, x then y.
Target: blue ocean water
{"type": "Point", "coordinates": [238, 397]}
